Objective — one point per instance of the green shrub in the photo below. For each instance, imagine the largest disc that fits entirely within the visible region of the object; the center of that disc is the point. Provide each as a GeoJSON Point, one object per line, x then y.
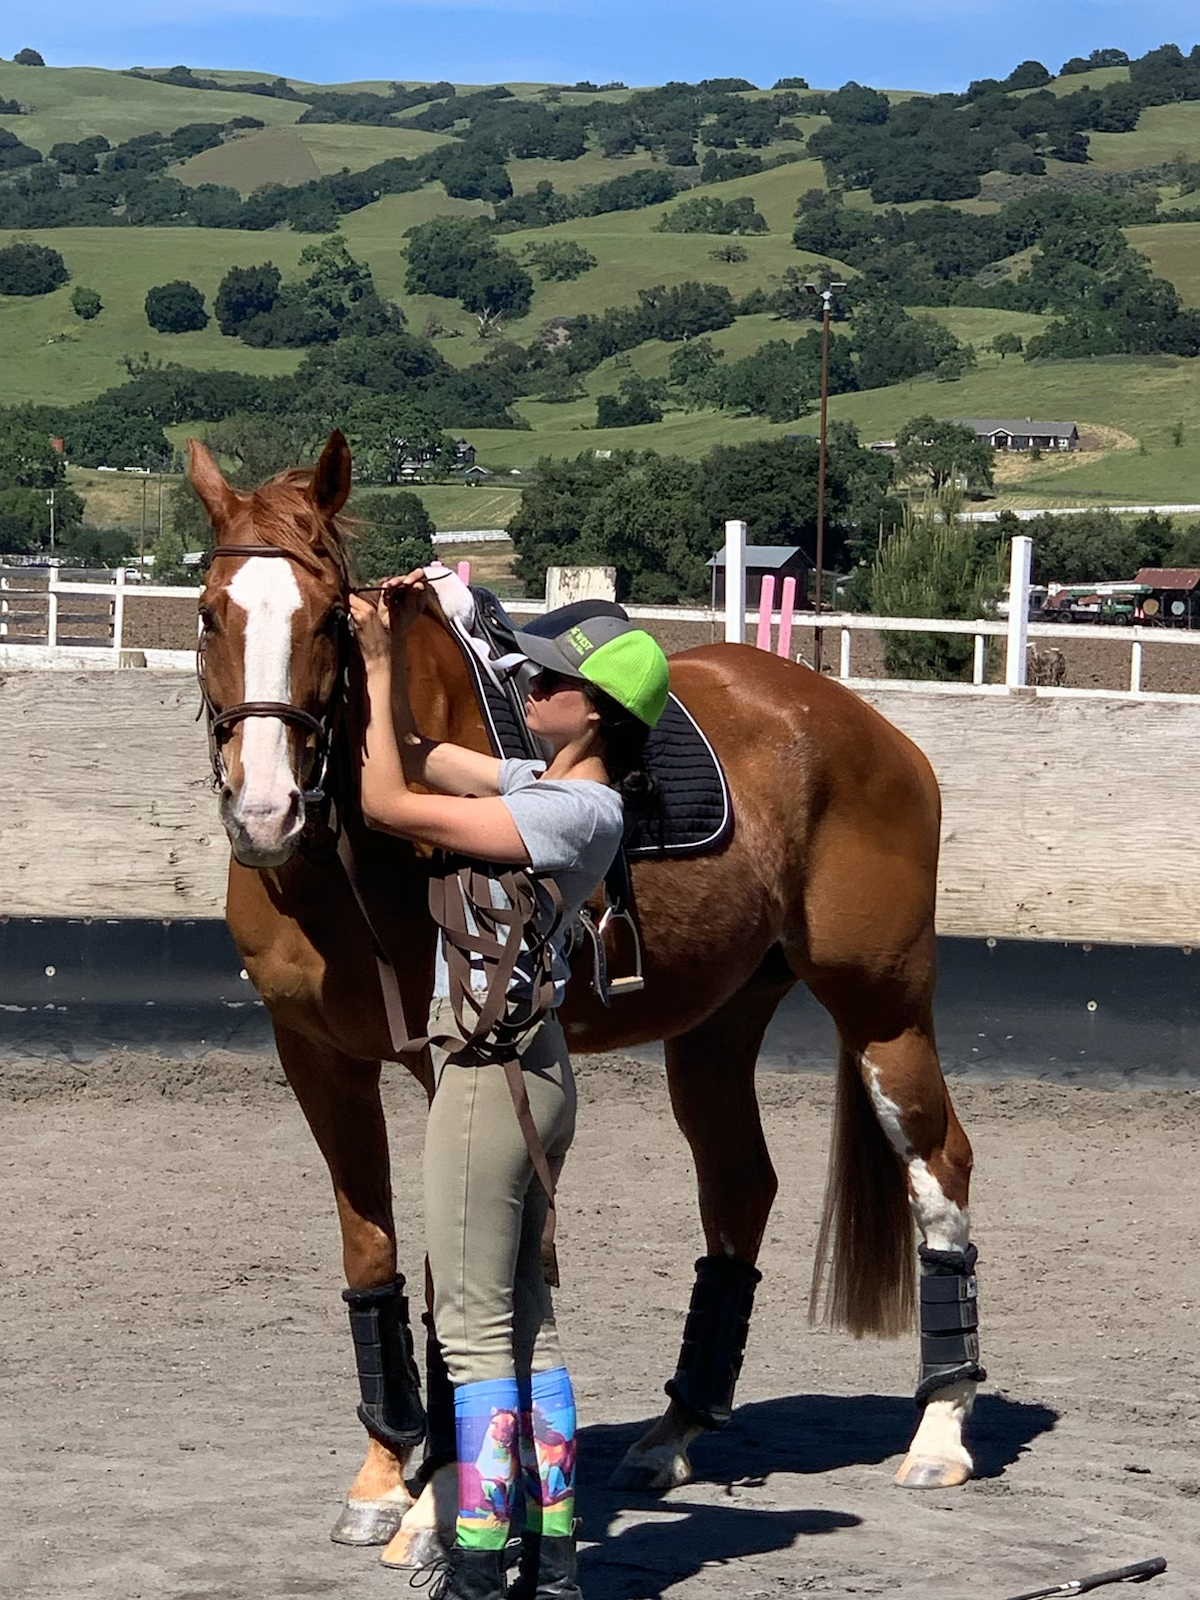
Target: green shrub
{"type": "Point", "coordinates": [176, 307]}
{"type": "Point", "coordinates": [30, 269]}
{"type": "Point", "coordinates": [86, 303]}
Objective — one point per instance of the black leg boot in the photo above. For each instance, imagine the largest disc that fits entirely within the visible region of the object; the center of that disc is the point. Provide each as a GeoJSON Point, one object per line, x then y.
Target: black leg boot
{"type": "Point", "coordinates": [466, 1574]}
{"type": "Point", "coordinates": [547, 1570]}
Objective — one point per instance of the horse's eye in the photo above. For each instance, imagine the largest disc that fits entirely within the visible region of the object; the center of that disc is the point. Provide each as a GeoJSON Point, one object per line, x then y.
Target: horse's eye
{"type": "Point", "coordinates": [208, 619]}
{"type": "Point", "coordinates": [333, 621]}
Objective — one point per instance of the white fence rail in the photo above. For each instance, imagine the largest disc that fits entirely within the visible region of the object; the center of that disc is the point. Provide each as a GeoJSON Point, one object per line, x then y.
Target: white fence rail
{"type": "Point", "coordinates": [1016, 630]}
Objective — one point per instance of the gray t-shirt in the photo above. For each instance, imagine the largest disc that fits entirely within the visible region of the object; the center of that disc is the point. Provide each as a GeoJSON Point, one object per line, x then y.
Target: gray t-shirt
{"type": "Point", "coordinates": [571, 829]}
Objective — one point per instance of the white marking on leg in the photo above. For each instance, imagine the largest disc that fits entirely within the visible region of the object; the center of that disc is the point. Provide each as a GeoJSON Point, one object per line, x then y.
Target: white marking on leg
{"type": "Point", "coordinates": [939, 1436]}
{"type": "Point", "coordinates": [937, 1456]}
{"type": "Point", "coordinates": [267, 591]}
{"type": "Point", "coordinates": [944, 1224]}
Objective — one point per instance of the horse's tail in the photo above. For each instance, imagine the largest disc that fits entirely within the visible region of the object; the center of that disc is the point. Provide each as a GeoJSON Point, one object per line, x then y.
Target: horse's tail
{"type": "Point", "coordinates": [865, 1260]}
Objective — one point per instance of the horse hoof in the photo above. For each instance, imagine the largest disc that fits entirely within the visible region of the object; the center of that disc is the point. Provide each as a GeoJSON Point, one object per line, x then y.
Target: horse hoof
{"type": "Point", "coordinates": [921, 1472]}
{"type": "Point", "coordinates": [367, 1522]}
{"type": "Point", "coordinates": [652, 1471]}
{"type": "Point", "coordinates": [414, 1547]}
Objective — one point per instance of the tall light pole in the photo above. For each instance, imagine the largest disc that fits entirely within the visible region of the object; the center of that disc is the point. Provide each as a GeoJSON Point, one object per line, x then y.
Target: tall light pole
{"type": "Point", "coordinates": [825, 295]}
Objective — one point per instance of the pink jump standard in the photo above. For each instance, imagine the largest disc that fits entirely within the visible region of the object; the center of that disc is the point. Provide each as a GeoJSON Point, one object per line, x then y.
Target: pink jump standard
{"type": "Point", "coordinates": [828, 879]}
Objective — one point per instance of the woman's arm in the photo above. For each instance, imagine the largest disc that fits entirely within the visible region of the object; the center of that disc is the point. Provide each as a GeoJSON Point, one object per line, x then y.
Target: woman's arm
{"type": "Point", "coordinates": [477, 827]}
{"type": "Point", "coordinates": [449, 768]}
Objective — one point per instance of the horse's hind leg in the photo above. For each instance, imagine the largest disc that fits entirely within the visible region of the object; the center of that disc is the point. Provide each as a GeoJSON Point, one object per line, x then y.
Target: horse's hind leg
{"type": "Point", "coordinates": [340, 1100]}
{"type": "Point", "coordinates": [710, 1074]}
{"type": "Point", "coordinates": [909, 1094]}
{"type": "Point", "coordinates": [891, 1089]}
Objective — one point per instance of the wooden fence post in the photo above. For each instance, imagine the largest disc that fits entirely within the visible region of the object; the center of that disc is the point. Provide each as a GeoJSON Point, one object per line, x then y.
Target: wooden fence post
{"type": "Point", "coordinates": [735, 583]}
{"type": "Point", "coordinates": [1018, 611]}
{"type": "Point", "coordinates": [119, 610]}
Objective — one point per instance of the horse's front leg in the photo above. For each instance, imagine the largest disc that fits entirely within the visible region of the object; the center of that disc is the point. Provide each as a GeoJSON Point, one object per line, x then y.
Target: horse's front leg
{"type": "Point", "coordinates": [710, 1074]}
{"type": "Point", "coordinates": [339, 1096]}
{"type": "Point", "coordinates": [909, 1095]}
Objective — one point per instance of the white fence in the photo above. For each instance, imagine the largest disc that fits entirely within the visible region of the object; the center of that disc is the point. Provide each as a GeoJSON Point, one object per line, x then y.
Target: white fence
{"type": "Point", "coordinates": [735, 619]}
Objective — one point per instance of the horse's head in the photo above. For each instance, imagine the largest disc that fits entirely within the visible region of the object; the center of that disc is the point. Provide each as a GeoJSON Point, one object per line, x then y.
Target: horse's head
{"type": "Point", "coordinates": [272, 618]}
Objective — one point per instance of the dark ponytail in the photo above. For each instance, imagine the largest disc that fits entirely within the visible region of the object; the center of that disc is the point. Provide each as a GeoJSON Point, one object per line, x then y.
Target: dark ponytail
{"type": "Point", "coordinates": [625, 738]}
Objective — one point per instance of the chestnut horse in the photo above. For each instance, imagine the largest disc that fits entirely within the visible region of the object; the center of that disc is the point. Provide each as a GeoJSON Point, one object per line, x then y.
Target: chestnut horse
{"type": "Point", "coordinates": [828, 878]}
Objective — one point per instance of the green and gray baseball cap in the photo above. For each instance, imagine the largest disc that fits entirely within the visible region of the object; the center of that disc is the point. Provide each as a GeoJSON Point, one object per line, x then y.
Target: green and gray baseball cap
{"type": "Point", "coordinates": [596, 641]}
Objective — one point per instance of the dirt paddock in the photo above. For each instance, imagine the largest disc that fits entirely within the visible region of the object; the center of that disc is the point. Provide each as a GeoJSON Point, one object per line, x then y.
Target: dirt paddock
{"type": "Point", "coordinates": [179, 1396]}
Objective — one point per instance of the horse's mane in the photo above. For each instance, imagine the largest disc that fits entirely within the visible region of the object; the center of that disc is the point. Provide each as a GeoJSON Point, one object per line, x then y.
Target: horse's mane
{"type": "Point", "coordinates": [282, 515]}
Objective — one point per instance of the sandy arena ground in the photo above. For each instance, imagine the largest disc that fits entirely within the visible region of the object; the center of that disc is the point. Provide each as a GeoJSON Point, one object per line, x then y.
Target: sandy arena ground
{"type": "Point", "coordinates": [179, 1395]}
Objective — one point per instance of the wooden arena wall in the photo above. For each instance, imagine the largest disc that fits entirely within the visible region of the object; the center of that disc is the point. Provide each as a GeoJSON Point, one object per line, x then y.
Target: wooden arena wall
{"type": "Point", "coordinates": [1064, 819]}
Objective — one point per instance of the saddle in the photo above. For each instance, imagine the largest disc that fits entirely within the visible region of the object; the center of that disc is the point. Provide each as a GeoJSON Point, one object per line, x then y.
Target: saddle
{"type": "Point", "coordinates": [696, 815]}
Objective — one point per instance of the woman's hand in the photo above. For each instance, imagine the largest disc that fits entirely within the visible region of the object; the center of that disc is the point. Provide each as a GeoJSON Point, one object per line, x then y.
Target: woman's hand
{"type": "Point", "coordinates": [404, 599]}
{"type": "Point", "coordinates": [372, 629]}
{"type": "Point", "coordinates": [401, 601]}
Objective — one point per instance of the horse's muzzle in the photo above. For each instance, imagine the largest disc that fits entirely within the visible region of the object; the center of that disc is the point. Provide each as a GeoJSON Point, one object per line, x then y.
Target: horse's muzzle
{"type": "Point", "coordinates": [263, 835]}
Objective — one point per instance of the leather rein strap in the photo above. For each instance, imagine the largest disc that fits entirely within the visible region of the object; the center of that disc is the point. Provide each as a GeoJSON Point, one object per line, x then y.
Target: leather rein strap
{"type": "Point", "coordinates": [461, 903]}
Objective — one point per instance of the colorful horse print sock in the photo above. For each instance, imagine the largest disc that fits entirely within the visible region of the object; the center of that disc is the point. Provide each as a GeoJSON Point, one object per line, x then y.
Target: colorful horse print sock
{"type": "Point", "coordinates": [486, 1428]}
{"type": "Point", "coordinates": [548, 1454]}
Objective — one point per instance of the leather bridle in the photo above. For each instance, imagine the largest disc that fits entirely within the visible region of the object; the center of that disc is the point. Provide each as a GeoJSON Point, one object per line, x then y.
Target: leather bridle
{"type": "Point", "coordinates": [322, 728]}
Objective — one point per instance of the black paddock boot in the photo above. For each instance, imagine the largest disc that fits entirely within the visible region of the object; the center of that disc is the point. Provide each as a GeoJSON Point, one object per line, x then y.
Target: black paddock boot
{"type": "Point", "coordinates": [464, 1574]}
{"type": "Point", "coordinates": [547, 1570]}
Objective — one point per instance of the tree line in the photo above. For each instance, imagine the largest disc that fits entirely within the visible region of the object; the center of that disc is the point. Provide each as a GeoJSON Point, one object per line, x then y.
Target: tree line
{"type": "Point", "coordinates": [937, 147]}
{"type": "Point", "coordinates": [1084, 272]}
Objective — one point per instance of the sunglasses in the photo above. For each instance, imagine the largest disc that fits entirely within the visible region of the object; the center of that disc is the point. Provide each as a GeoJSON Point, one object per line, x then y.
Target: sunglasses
{"type": "Point", "coordinates": [546, 682]}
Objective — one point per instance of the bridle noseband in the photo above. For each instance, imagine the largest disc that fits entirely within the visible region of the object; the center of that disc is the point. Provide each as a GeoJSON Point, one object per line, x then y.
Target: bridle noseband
{"type": "Point", "coordinates": [322, 727]}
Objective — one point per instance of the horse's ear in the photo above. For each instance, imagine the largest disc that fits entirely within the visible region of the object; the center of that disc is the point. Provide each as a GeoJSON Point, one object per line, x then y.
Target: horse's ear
{"type": "Point", "coordinates": [209, 482]}
{"type": "Point", "coordinates": [331, 481]}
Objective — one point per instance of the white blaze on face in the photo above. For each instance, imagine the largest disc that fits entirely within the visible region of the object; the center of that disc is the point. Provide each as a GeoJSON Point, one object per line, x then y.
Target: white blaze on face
{"type": "Point", "coordinates": [266, 590]}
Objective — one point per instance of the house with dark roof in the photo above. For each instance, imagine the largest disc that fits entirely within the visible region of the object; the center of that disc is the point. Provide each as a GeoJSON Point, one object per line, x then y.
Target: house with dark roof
{"type": "Point", "coordinates": [779, 560]}
{"type": "Point", "coordinates": [1022, 433]}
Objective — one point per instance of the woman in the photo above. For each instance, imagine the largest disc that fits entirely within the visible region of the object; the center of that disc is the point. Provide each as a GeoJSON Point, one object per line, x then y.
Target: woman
{"type": "Point", "coordinates": [601, 686]}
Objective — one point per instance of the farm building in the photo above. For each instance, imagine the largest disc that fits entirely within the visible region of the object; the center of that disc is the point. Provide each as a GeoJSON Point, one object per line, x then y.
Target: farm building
{"type": "Point", "coordinates": [1175, 600]}
{"type": "Point", "coordinates": [1022, 433]}
{"type": "Point", "coordinates": [780, 561]}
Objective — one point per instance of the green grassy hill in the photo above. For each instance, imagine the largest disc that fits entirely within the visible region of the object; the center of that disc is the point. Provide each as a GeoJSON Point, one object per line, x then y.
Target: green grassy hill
{"type": "Point", "coordinates": [70, 103]}
{"type": "Point", "coordinates": [1174, 252]}
{"type": "Point", "coordinates": [292, 154]}
{"type": "Point", "coordinates": [49, 355]}
{"type": "Point", "coordinates": [1129, 405]}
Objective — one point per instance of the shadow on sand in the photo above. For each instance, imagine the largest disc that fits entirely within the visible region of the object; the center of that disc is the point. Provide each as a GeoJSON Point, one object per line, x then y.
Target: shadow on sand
{"type": "Point", "coordinates": [648, 1544]}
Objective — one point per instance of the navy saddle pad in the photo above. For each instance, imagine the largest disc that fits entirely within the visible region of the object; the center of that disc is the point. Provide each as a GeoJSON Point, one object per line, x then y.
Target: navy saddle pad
{"type": "Point", "coordinates": [697, 814]}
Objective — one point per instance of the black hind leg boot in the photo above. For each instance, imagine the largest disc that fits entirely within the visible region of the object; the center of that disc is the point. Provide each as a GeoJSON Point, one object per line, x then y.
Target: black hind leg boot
{"type": "Point", "coordinates": [391, 1409]}
{"type": "Point", "coordinates": [949, 1320]}
{"type": "Point", "coordinates": [714, 1339]}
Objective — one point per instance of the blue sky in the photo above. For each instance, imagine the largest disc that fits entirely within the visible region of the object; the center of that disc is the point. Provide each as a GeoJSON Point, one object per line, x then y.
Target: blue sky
{"type": "Point", "coordinates": [919, 44]}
